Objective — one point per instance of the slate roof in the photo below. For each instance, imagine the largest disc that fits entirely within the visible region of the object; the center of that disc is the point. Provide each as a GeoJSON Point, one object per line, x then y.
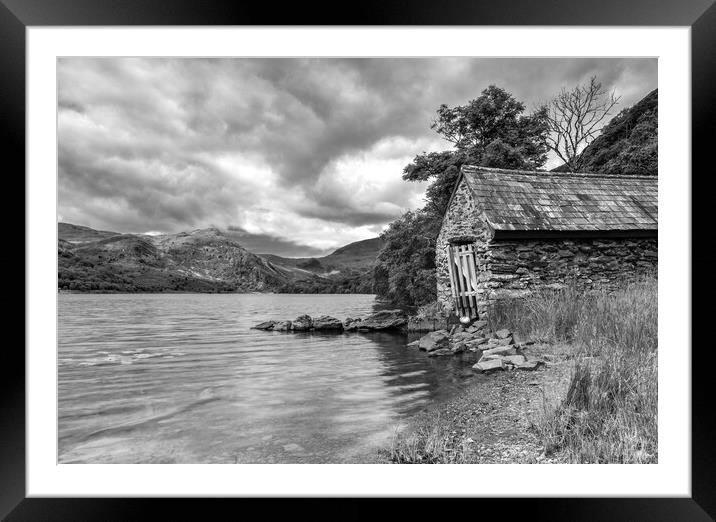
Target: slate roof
{"type": "Point", "coordinates": [514, 200]}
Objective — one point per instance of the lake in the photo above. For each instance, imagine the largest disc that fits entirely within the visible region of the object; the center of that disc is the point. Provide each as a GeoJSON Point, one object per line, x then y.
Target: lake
{"type": "Point", "coordinates": [181, 378]}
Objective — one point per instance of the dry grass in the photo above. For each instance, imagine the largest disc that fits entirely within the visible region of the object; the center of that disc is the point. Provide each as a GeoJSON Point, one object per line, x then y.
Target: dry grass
{"type": "Point", "coordinates": [609, 414]}
{"type": "Point", "coordinates": [429, 443]}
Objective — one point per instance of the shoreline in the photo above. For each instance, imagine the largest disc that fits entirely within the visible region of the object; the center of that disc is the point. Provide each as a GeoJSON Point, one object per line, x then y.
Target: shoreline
{"type": "Point", "coordinates": [493, 420]}
{"type": "Point", "coordinates": [98, 292]}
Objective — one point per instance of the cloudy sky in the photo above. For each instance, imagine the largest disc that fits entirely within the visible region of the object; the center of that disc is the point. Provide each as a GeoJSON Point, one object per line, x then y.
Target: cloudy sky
{"type": "Point", "coordinates": [296, 156]}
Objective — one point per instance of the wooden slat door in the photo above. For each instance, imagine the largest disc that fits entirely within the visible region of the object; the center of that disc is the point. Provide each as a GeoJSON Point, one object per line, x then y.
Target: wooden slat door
{"type": "Point", "coordinates": [463, 279]}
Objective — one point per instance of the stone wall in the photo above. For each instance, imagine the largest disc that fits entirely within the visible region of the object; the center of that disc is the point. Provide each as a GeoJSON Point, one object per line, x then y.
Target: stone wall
{"type": "Point", "coordinates": [512, 268]}
{"type": "Point", "coordinates": [462, 221]}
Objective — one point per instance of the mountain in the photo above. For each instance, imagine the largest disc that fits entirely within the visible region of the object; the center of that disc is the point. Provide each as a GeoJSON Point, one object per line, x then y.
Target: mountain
{"type": "Point", "coordinates": [205, 260]}
{"type": "Point", "coordinates": [79, 234]}
{"type": "Point", "coordinates": [347, 270]}
{"type": "Point", "coordinates": [361, 254]}
{"type": "Point", "coordinates": [628, 144]}
{"type": "Point", "coordinates": [358, 255]}
{"type": "Point", "coordinates": [198, 261]}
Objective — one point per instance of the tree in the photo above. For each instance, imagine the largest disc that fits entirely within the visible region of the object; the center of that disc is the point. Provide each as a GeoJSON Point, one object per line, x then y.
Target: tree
{"type": "Point", "coordinates": [493, 122]}
{"type": "Point", "coordinates": [405, 270]}
{"type": "Point", "coordinates": [491, 130]}
{"type": "Point", "coordinates": [628, 144]}
{"type": "Point", "coordinates": [575, 117]}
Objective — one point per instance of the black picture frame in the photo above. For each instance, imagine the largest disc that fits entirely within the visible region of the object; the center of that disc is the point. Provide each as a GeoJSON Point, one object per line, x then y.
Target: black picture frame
{"type": "Point", "coordinates": [700, 15]}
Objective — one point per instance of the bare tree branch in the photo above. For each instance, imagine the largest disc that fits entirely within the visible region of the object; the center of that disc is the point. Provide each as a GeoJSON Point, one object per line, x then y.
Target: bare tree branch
{"type": "Point", "coordinates": [576, 117]}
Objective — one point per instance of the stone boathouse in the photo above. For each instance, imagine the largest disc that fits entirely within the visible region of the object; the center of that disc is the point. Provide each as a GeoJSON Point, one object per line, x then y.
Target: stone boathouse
{"type": "Point", "coordinates": [506, 232]}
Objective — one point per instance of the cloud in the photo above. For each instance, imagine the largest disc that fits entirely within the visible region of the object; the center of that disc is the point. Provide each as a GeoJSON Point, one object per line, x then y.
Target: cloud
{"type": "Point", "coordinates": [302, 155]}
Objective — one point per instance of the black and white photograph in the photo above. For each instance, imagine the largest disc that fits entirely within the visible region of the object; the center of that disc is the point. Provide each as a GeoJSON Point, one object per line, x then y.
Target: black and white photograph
{"type": "Point", "coordinates": [357, 260]}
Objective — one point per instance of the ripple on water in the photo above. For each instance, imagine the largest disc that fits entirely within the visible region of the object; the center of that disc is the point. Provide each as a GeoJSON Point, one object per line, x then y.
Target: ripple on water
{"type": "Point", "coordinates": [183, 378]}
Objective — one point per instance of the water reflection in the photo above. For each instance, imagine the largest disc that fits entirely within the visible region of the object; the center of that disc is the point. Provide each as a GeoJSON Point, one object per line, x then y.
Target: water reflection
{"type": "Point", "coordinates": [182, 378]}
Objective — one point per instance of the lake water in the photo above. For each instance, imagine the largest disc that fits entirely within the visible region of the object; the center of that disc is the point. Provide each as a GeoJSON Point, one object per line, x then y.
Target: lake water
{"type": "Point", "coordinates": [163, 378]}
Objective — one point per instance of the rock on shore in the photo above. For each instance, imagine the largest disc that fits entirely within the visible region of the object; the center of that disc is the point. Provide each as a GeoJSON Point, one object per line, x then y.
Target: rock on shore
{"type": "Point", "coordinates": [326, 322]}
{"type": "Point", "coordinates": [379, 321]}
{"type": "Point", "coordinates": [496, 351]}
{"type": "Point", "coordinates": [434, 341]}
{"type": "Point", "coordinates": [383, 320]}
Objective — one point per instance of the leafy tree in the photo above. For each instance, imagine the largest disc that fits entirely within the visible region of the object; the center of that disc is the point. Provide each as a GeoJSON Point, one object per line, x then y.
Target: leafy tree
{"type": "Point", "coordinates": [491, 130]}
{"type": "Point", "coordinates": [405, 271]}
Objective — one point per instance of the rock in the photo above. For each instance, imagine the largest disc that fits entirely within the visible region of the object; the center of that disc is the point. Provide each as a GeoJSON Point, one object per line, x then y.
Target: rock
{"type": "Point", "coordinates": [522, 339]}
{"type": "Point", "coordinates": [326, 322]}
{"type": "Point", "coordinates": [501, 350]}
{"type": "Point", "coordinates": [529, 365]}
{"type": "Point", "coordinates": [476, 326]}
{"type": "Point", "coordinates": [477, 341]}
{"type": "Point", "coordinates": [413, 344]}
{"type": "Point", "coordinates": [503, 333]}
{"type": "Point", "coordinates": [494, 342]}
{"type": "Point", "coordinates": [384, 320]}
{"type": "Point", "coordinates": [461, 336]}
{"type": "Point", "coordinates": [302, 323]}
{"type": "Point", "coordinates": [266, 325]}
{"type": "Point", "coordinates": [515, 359]}
{"type": "Point", "coordinates": [458, 347]}
{"type": "Point", "coordinates": [439, 352]}
{"type": "Point", "coordinates": [282, 326]}
{"type": "Point", "coordinates": [489, 366]}
{"type": "Point", "coordinates": [351, 324]}
{"type": "Point", "coordinates": [434, 341]}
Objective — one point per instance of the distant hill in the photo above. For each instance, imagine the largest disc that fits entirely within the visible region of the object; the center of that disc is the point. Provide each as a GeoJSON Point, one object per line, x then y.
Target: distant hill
{"type": "Point", "coordinates": [361, 254]}
{"type": "Point", "coordinates": [205, 260]}
{"type": "Point", "coordinates": [628, 144]}
{"type": "Point", "coordinates": [79, 234]}
{"type": "Point", "coordinates": [346, 270]}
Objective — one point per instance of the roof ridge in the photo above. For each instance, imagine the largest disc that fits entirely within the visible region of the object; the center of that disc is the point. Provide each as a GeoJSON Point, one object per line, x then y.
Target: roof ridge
{"type": "Point", "coordinates": [547, 173]}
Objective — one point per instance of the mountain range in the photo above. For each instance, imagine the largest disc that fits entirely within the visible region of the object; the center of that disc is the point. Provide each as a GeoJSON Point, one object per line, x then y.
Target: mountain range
{"type": "Point", "coordinates": [204, 260]}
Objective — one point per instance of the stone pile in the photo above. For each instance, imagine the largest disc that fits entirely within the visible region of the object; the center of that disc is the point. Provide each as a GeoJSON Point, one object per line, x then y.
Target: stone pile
{"type": "Point", "coordinates": [379, 321]}
{"type": "Point", "coordinates": [495, 351]}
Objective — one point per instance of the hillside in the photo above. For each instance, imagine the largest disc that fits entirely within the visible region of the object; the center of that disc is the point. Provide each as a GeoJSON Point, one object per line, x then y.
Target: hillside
{"type": "Point", "coordinates": [346, 270]}
{"type": "Point", "coordinates": [628, 144]}
{"type": "Point", "coordinates": [79, 234]}
{"type": "Point", "coordinates": [204, 260]}
{"type": "Point", "coordinates": [358, 255]}
{"type": "Point", "coordinates": [361, 254]}
{"type": "Point", "coordinates": [200, 261]}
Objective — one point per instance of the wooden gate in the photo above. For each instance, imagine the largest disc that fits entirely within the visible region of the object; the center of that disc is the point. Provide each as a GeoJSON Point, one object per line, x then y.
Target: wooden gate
{"type": "Point", "coordinates": [463, 279]}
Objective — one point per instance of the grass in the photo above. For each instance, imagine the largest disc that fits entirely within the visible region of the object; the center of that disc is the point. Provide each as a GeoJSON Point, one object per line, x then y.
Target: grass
{"type": "Point", "coordinates": [609, 413]}
{"type": "Point", "coordinates": [430, 443]}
